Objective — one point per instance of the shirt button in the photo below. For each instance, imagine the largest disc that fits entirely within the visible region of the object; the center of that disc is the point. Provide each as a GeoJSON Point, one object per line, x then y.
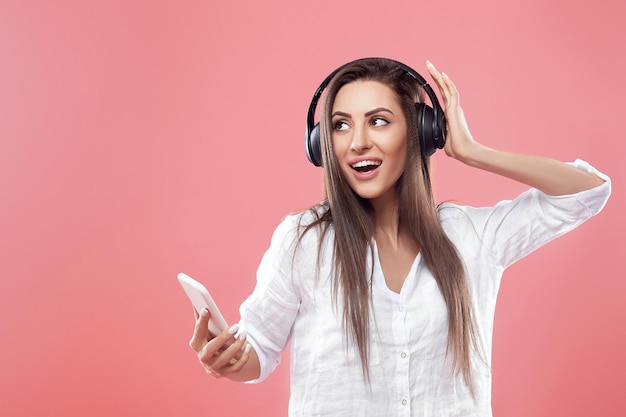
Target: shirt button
{"type": "Point", "coordinates": [403, 355]}
{"type": "Point", "coordinates": [400, 308]}
{"type": "Point", "coordinates": [404, 402]}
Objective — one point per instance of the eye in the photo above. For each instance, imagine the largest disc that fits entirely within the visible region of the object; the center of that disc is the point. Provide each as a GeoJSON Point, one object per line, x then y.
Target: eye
{"type": "Point", "coordinates": [340, 125]}
{"type": "Point", "coordinates": [379, 121]}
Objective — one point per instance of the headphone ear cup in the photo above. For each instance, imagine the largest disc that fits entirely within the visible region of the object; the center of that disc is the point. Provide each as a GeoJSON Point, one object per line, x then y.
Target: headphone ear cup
{"type": "Point", "coordinates": [314, 146]}
{"type": "Point", "coordinates": [426, 128]}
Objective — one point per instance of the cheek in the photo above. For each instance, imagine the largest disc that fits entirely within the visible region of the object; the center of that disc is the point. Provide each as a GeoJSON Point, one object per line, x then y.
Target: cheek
{"type": "Point", "coordinates": [399, 151]}
{"type": "Point", "coordinates": [400, 155]}
{"type": "Point", "coordinates": [339, 148]}
{"type": "Point", "coordinates": [400, 167]}
{"type": "Point", "coordinates": [334, 143]}
{"type": "Point", "coordinates": [339, 151]}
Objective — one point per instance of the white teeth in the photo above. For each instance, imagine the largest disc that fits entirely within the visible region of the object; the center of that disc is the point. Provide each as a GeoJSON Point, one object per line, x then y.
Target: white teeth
{"type": "Point", "coordinates": [366, 163]}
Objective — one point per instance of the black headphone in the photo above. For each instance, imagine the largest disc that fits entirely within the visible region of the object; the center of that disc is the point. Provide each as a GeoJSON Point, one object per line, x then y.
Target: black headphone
{"type": "Point", "coordinates": [431, 121]}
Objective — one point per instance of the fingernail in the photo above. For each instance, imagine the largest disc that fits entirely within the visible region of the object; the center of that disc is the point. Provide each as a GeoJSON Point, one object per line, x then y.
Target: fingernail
{"type": "Point", "coordinates": [247, 349]}
{"type": "Point", "coordinates": [241, 334]}
{"type": "Point", "coordinates": [204, 312]}
{"type": "Point", "coordinates": [233, 329]}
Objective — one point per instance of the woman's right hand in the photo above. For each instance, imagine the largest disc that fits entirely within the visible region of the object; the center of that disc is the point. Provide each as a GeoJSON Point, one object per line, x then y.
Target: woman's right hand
{"type": "Point", "coordinates": [222, 355]}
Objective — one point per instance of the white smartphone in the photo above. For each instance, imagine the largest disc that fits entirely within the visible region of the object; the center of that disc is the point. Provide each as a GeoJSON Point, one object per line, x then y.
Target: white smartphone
{"type": "Point", "coordinates": [200, 298]}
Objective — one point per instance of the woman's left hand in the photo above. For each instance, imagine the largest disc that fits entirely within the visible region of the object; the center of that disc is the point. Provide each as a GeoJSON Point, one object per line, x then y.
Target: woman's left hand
{"type": "Point", "coordinates": [459, 140]}
{"type": "Point", "coordinates": [548, 175]}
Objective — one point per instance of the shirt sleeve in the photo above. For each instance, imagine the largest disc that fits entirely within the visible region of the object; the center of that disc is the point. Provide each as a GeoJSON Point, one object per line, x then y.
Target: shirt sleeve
{"type": "Point", "coordinates": [269, 312]}
{"type": "Point", "coordinates": [514, 228]}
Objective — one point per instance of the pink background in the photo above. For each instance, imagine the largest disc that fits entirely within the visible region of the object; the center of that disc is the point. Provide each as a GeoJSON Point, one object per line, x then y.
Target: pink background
{"type": "Point", "coordinates": [143, 138]}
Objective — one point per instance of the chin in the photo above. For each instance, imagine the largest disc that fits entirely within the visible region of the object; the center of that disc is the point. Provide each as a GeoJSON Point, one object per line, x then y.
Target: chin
{"type": "Point", "coordinates": [372, 194]}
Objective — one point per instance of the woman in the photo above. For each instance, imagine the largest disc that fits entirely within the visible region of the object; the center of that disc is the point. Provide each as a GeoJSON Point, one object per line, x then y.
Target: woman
{"type": "Point", "coordinates": [387, 299]}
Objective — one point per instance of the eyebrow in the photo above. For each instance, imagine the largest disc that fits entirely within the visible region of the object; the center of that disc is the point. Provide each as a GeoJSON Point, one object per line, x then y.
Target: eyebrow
{"type": "Point", "coordinates": [367, 114]}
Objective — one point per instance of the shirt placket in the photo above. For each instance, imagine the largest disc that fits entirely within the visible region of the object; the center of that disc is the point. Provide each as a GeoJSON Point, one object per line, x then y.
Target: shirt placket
{"type": "Point", "coordinates": [401, 336]}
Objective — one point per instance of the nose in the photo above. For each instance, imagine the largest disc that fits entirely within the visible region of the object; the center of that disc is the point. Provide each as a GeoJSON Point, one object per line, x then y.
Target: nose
{"type": "Point", "coordinates": [360, 140]}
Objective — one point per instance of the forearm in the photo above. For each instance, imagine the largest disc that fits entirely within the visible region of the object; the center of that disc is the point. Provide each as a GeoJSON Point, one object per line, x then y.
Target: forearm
{"type": "Point", "coordinates": [547, 175]}
{"type": "Point", "coordinates": [550, 176]}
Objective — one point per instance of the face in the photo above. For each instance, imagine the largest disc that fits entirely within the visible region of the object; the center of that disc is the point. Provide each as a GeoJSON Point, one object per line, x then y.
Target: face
{"type": "Point", "coordinates": [369, 138]}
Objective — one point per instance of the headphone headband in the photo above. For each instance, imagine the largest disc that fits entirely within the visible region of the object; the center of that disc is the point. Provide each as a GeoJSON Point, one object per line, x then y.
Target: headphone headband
{"type": "Point", "coordinates": [431, 121]}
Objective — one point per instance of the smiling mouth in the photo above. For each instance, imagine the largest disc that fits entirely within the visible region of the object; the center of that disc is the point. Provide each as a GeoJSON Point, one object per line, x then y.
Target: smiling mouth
{"type": "Point", "coordinates": [366, 166]}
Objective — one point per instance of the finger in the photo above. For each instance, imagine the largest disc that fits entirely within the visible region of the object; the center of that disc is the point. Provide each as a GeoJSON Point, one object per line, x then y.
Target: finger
{"type": "Point", "coordinates": [240, 363]}
{"type": "Point", "coordinates": [453, 92]}
{"type": "Point", "coordinates": [220, 342]}
{"type": "Point", "coordinates": [435, 74]}
{"type": "Point", "coordinates": [210, 371]}
{"type": "Point", "coordinates": [438, 77]}
{"type": "Point", "coordinates": [221, 361]}
{"type": "Point", "coordinates": [211, 351]}
{"type": "Point", "coordinates": [201, 332]}
{"type": "Point", "coordinates": [231, 354]}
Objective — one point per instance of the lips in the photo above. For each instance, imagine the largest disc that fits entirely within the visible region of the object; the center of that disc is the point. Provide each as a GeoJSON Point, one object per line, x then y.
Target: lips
{"type": "Point", "coordinates": [366, 165]}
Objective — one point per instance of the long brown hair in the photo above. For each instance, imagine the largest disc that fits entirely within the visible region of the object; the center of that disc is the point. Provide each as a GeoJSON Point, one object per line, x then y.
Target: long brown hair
{"type": "Point", "coordinates": [352, 221]}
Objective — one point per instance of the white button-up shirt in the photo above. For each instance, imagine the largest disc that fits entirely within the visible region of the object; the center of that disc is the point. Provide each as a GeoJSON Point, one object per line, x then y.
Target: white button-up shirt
{"type": "Point", "coordinates": [410, 373]}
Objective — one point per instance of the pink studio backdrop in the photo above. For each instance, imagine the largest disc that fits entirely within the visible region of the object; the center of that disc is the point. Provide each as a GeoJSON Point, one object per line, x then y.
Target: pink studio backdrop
{"type": "Point", "coordinates": [143, 138]}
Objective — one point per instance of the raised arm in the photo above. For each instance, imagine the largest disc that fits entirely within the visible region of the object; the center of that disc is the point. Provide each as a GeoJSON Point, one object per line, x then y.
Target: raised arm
{"type": "Point", "coordinates": [548, 175]}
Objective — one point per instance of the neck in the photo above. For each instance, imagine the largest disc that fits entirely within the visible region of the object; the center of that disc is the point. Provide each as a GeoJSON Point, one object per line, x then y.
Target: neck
{"type": "Point", "coordinates": [387, 218]}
